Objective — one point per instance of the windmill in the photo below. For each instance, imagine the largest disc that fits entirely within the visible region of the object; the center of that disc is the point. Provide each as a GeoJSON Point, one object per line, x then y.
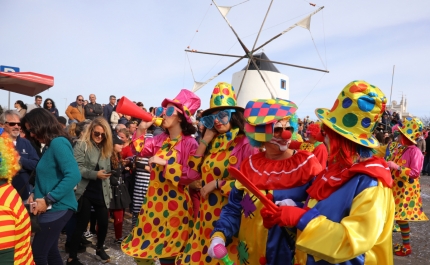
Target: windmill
{"type": "Point", "coordinates": [255, 61]}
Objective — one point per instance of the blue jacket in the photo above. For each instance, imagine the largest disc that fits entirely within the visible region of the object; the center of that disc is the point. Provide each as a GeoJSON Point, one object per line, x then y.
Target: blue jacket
{"type": "Point", "coordinates": [107, 112]}
{"type": "Point", "coordinates": [28, 160]}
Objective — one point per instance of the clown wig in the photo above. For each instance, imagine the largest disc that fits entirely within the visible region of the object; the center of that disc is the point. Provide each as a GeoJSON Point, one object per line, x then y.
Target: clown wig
{"type": "Point", "coordinates": [9, 158]}
{"type": "Point", "coordinates": [344, 152]}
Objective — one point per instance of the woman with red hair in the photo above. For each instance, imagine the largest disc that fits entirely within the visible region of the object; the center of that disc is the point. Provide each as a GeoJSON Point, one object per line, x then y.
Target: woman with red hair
{"type": "Point", "coordinates": [348, 216]}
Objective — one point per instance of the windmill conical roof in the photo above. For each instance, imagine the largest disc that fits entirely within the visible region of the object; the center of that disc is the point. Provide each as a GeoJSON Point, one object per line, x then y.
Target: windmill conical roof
{"type": "Point", "coordinates": [264, 66]}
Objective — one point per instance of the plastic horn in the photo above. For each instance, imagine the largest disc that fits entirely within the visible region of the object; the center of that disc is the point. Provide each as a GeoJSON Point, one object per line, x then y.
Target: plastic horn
{"type": "Point", "coordinates": [221, 253]}
{"type": "Point", "coordinates": [125, 106]}
{"type": "Point", "coordinates": [235, 173]}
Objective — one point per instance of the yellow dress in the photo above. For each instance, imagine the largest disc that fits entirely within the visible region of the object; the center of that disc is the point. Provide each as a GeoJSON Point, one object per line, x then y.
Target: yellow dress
{"type": "Point", "coordinates": [406, 190]}
{"type": "Point", "coordinates": [165, 219]}
{"type": "Point", "coordinates": [227, 149]}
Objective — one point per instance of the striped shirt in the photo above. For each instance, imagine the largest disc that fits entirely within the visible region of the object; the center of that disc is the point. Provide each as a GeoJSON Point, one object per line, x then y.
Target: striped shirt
{"type": "Point", "coordinates": [15, 226]}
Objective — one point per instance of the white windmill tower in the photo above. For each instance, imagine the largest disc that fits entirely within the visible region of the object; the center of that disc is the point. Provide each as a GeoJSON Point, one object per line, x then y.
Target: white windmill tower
{"type": "Point", "coordinates": [253, 86]}
{"type": "Point", "coordinates": [260, 78]}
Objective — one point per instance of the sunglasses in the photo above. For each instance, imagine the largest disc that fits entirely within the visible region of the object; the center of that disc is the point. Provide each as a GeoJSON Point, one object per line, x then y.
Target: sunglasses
{"type": "Point", "coordinates": [169, 111]}
{"type": "Point", "coordinates": [13, 123]}
{"type": "Point", "coordinates": [281, 129]}
{"type": "Point", "coordinates": [223, 117]}
{"type": "Point", "coordinates": [48, 102]}
{"type": "Point", "coordinates": [99, 134]}
{"type": "Point", "coordinates": [79, 99]}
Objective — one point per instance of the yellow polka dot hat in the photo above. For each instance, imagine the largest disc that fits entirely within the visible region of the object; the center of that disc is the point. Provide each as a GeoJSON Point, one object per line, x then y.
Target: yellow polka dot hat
{"type": "Point", "coordinates": [412, 128]}
{"type": "Point", "coordinates": [223, 97]}
{"type": "Point", "coordinates": [355, 113]}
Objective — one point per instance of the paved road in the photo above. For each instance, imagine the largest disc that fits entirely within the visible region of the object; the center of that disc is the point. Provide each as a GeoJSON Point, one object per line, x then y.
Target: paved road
{"type": "Point", "coordinates": [420, 239]}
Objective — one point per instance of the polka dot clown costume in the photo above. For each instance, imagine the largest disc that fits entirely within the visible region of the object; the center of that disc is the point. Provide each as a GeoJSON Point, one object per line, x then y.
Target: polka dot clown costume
{"type": "Point", "coordinates": [166, 217]}
{"type": "Point", "coordinates": [285, 176]}
{"type": "Point", "coordinates": [15, 245]}
{"type": "Point", "coordinates": [219, 148]}
{"type": "Point", "coordinates": [348, 216]}
{"type": "Point", "coordinates": [406, 161]}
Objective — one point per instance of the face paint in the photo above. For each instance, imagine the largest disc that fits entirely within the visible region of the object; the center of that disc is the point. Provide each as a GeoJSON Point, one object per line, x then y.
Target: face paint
{"type": "Point", "coordinates": [282, 143]}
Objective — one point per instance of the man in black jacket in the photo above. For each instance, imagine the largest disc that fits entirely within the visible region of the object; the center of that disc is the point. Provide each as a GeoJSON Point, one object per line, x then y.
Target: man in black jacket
{"type": "Point", "coordinates": [9, 120]}
{"type": "Point", "coordinates": [93, 109]}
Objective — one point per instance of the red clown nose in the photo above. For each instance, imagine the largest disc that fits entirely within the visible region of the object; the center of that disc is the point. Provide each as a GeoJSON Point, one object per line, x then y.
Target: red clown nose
{"type": "Point", "coordinates": [286, 134]}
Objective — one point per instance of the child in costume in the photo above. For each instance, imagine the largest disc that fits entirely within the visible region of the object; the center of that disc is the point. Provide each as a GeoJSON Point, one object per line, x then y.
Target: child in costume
{"type": "Point", "coordinates": [280, 173]}
{"type": "Point", "coordinates": [314, 144]}
{"type": "Point", "coordinates": [348, 217]}
{"type": "Point", "coordinates": [15, 245]}
{"type": "Point", "coordinates": [405, 161]}
{"type": "Point", "coordinates": [223, 143]}
{"type": "Point", "coordinates": [166, 217]}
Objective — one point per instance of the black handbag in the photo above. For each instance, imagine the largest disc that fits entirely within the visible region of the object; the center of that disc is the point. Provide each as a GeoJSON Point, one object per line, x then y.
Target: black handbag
{"type": "Point", "coordinates": [34, 219]}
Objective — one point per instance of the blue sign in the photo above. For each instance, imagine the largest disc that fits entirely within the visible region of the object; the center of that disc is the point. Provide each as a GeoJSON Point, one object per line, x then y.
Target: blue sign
{"type": "Point", "coordinates": [11, 69]}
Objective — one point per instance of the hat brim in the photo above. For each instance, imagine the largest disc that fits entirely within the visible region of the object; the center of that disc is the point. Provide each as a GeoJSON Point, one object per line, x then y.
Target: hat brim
{"type": "Point", "coordinates": [178, 105]}
{"type": "Point", "coordinates": [211, 110]}
{"type": "Point", "coordinates": [405, 135]}
{"type": "Point", "coordinates": [371, 142]}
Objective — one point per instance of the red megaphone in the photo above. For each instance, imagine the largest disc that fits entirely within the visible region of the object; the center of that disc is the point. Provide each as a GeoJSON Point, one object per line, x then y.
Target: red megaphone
{"type": "Point", "coordinates": [126, 107]}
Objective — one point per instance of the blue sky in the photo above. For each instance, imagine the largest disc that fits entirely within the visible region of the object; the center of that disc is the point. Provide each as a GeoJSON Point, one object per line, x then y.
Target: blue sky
{"type": "Point", "coordinates": [136, 48]}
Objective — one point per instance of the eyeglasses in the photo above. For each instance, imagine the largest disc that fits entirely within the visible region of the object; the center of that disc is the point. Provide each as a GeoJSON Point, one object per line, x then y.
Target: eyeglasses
{"type": "Point", "coordinates": [48, 102]}
{"type": "Point", "coordinates": [99, 134]}
{"type": "Point", "coordinates": [11, 124]}
{"type": "Point", "coordinates": [166, 111]}
{"type": "Point", "coordinates": [80, 99]}
{"type": "Point", "coordinates": [222, 116]}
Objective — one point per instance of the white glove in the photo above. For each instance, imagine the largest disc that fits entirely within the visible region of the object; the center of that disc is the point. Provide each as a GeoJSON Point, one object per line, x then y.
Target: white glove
{"type": "Point", "coordinates": [286, 202]}
{"type": "Point", "coordinates": [215, 241]}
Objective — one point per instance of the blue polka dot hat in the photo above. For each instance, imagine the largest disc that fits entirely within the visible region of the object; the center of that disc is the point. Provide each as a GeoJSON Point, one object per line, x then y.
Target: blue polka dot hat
{"type": "Point", "coordinates": [355, 113]}
{"type": "Point", "coordinates": [412, 128]}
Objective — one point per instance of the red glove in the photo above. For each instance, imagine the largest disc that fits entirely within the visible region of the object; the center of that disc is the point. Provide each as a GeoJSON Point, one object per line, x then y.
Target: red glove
{"type": "Point", "coordinates": [288, 216]}
{"type": "Point", "coordinates": [268, 220]}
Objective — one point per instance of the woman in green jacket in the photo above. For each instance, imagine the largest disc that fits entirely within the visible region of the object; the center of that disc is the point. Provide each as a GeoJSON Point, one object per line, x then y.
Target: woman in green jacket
{"type": "Point", "coordinates": [56, 175]}
{"type": "Point", "coordinates": [92, 152]}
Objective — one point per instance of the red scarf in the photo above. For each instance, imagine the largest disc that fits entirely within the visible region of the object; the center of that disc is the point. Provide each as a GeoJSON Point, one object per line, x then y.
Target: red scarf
{"type": "Point", "coordinates": [330, 181]}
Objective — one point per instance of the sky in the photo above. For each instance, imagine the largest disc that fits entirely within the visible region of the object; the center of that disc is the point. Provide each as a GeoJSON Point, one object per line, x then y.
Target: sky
{"type": "Point", "coordinates": [136, 48]}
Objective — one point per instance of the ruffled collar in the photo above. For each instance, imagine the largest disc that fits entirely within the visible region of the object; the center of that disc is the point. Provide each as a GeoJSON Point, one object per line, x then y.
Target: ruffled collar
{"type": "Point", "coordinates": [294, 171]}
{"type": "Point", "coordinates": [223, 141]}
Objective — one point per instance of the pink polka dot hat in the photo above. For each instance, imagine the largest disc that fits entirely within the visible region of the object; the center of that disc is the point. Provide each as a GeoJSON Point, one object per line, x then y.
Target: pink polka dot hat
{"type": "Point", "coordinates": [412, 128]}
{"type": "Point", "coordinates": [223, 97]}
{"type": "Point", "coordinates": [186, 101]}
{"type": "Point", "coordinates": [355, 113]}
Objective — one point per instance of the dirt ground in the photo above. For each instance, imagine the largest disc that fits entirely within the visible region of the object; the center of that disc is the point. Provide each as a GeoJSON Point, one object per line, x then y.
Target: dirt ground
{"type": "Point", "coordinates": [420, 237]}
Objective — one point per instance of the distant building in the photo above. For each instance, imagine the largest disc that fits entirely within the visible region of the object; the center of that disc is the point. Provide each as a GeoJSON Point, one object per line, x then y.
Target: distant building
{"type": "Point", "coordinates": [400, 108]}
{"type": "Point", "coordinates": [253, 86]}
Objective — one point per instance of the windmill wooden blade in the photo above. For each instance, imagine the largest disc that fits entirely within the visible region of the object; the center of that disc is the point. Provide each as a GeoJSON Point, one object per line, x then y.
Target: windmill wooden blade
{"type": "Point", "coordinates": [260, 59]}
{"type": "Point", "coordinates": [251, 59]}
